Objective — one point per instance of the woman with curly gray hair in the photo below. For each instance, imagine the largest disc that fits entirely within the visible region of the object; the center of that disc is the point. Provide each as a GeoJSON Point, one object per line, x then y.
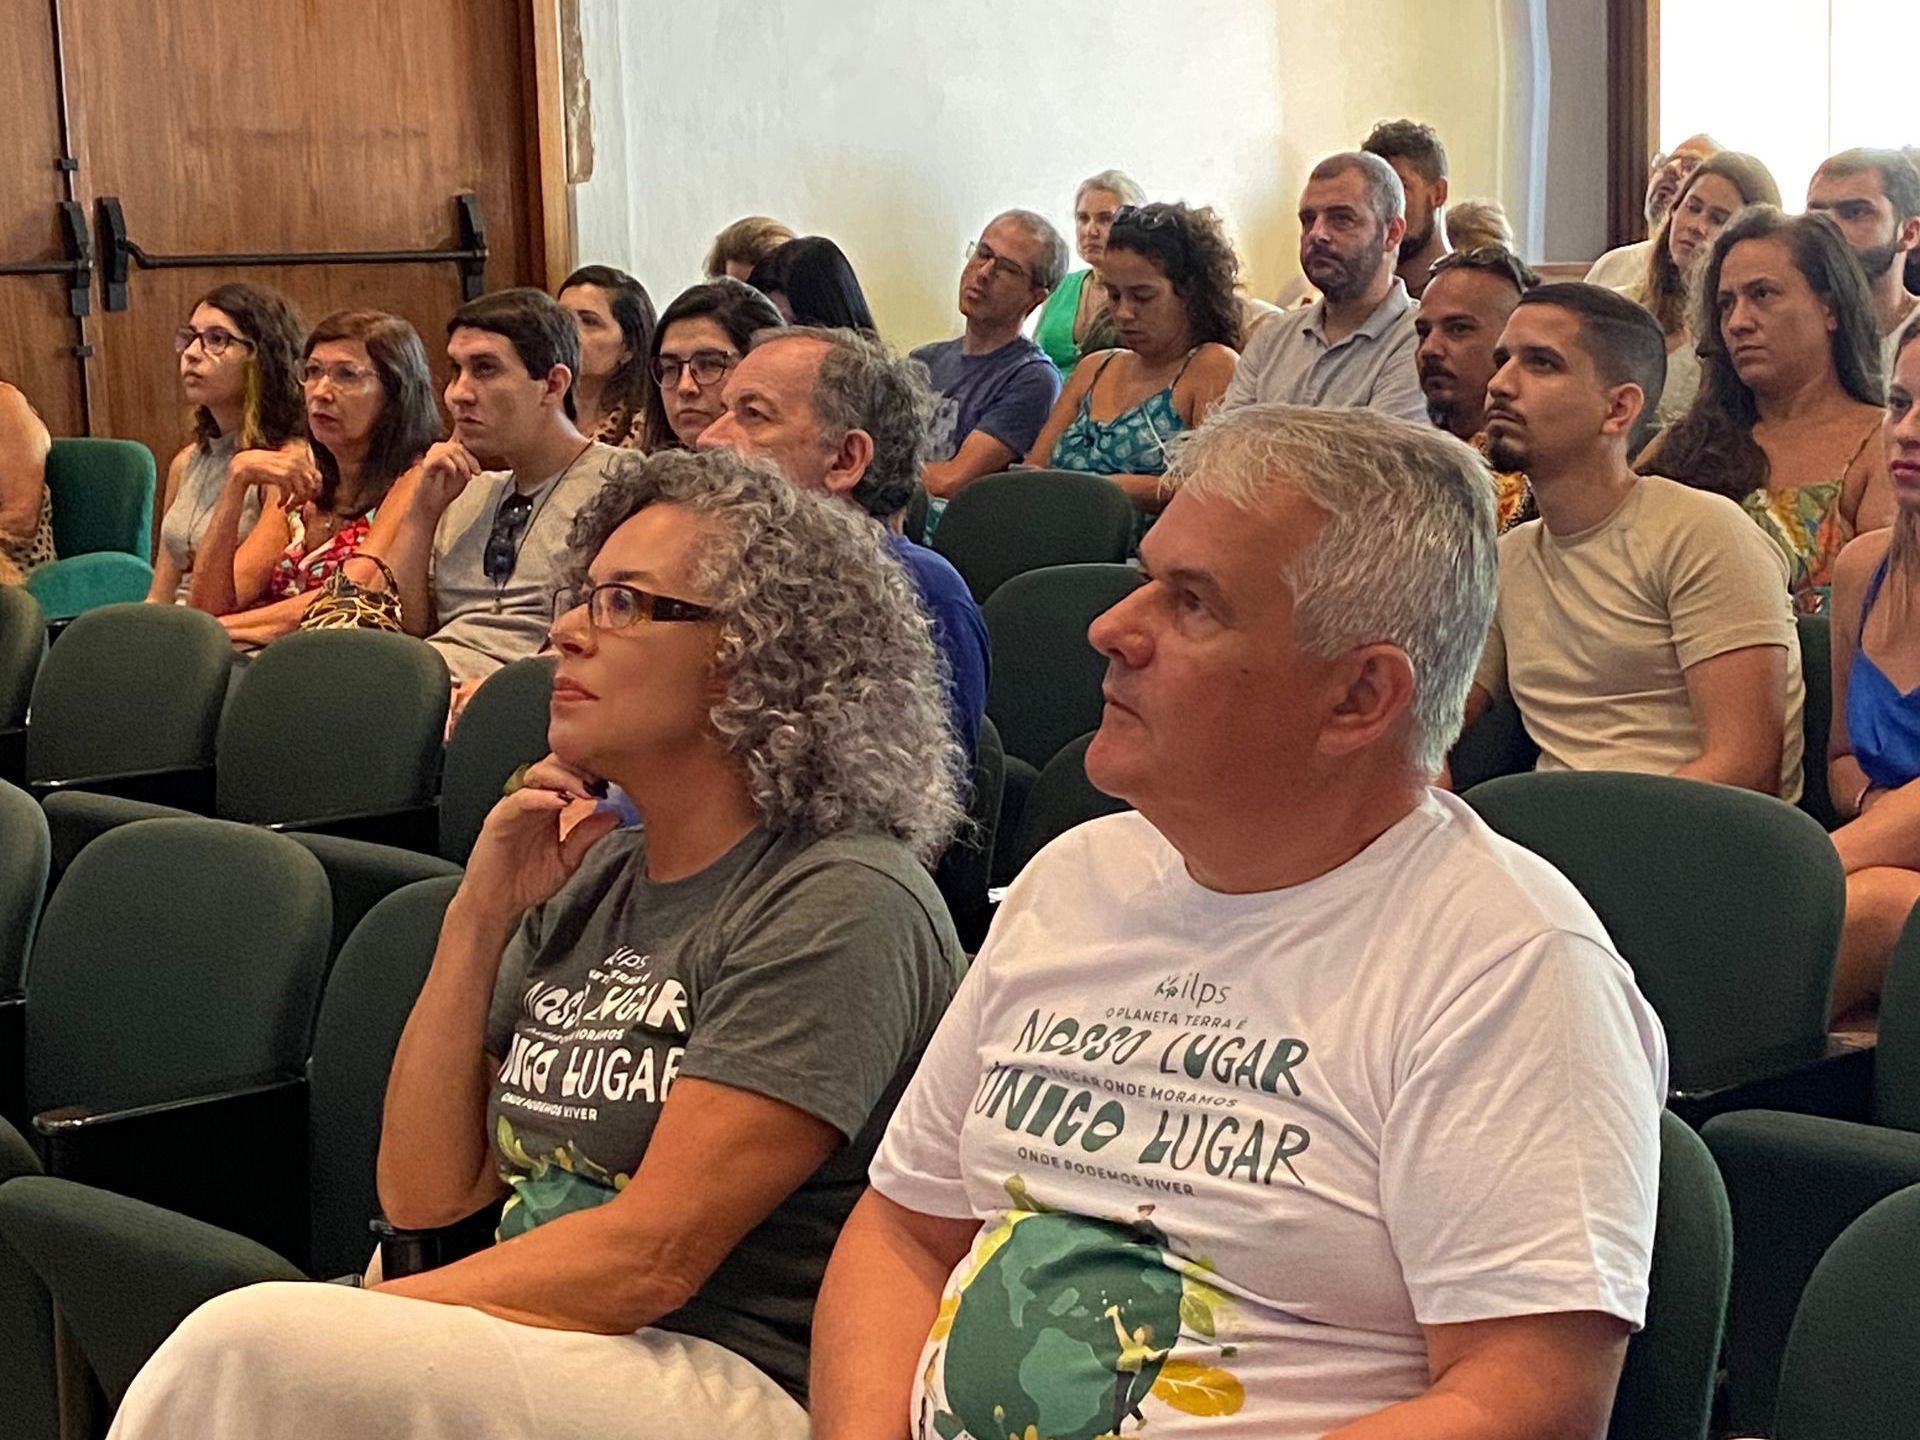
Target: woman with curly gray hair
{"type": "Point", "coordinates": [672, 1049]}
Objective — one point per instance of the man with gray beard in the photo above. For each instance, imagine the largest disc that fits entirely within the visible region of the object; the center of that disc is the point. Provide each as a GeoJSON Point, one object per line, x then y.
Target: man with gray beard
{"type": "Point", "coordinates": [1354, 347]}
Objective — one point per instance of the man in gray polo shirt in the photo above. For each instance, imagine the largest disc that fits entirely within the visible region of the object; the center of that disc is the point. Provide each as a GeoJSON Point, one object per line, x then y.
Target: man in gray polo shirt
{"type": "Point", "coordinates": [1354, 346]}
{"type": "Point", "coordinates": [482, 544]}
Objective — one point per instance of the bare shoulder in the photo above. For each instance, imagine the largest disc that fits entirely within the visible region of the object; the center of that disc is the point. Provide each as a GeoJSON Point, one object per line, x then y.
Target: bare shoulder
{"type": "Point", "coordinates": [1212, 363]}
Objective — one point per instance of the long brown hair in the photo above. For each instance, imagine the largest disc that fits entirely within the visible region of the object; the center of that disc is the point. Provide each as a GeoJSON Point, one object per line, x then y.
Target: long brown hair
{"type": "Point", "coordinates": [1712, 447]}
{"type": "Point", "coordinates": [273, 412]}
{"type": "Point", "coordinates": [1665, 284]}
{"type": "Point", "coordinates": [409, 418]}
{"type": "Point", "coordinates": [1903, 546]}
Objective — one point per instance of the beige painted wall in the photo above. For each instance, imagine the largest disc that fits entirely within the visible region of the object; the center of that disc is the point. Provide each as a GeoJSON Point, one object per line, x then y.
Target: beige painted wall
{"type": "Point", "coordinates": [899, 127]}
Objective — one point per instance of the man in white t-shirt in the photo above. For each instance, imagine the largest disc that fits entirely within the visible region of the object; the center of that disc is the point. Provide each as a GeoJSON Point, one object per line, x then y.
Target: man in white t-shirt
{"type": "Point", "coordinates": [1297, 1102]}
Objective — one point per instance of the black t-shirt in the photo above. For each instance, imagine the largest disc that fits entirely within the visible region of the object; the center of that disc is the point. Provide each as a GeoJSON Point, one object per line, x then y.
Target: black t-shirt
{"type": "Point", "coordinates": [813, 972]}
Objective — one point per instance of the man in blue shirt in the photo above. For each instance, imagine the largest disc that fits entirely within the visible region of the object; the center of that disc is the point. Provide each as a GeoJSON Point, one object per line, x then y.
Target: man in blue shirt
{"type": "Point", "coordinates": [995, 386]}
{"type": "Point", "coordinates": [837, 411]}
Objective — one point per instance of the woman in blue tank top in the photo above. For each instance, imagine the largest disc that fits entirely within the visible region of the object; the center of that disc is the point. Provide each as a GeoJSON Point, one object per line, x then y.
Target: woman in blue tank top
{"type": "Point", "coordinates": [1873, 756]}
{"type": "Point", "coordinates": [1169, 273]}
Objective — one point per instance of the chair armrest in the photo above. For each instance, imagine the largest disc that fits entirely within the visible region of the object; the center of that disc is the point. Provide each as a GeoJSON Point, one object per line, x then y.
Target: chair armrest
{"type": "Point", "coordinates": [184, 787]}
{"type": "Point", "coordinates": [415, 827]}
{"type": "Point", "coordinates": [1828, 1077]}
{"type": "Point", "coordinates": [167, 1154]}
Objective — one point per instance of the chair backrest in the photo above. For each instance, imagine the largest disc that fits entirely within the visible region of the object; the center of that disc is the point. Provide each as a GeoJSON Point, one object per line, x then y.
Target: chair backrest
{"type": "Point", "coordinates": [1061, 798]}
{"type": "Point", "coordinates": [26, 851]}
{"type": "Point", "coordinates": [1896, 1056]}
{"type": "Point", "coordinates": [102, 496]}
{"type": "Point", "coordinates": [1726, 903]}
{"type": "Point", "coordinates": [333, 722]}
{"type": "Point", "coordinates": [1666, 1385]}
{"type": "Point", "coordinates": [503, 727]}
{"type": "Point", "coordinates": [368, 997]}
{"type": "Point", "coordinates": [1004, 525]}
{"type": "Point", "coordinates": [1852, 1368]}
{"type": "Point", "coordinates": [23, 645]}
{"type": "Point", "coordinates": [1816, 661]}
{"type": "Point", "coordinates": [913, 524]}
{"type": "Point", "coordinates": [174, 956]}
{"type": "Point", "coordinates": [1494, 745]}
{"type": "Point", "coordinates": [128, 688]}
{"type": "Point", "coordinates": [1045, 686]}
{"type": "Point", "coordinates": [966, 869]}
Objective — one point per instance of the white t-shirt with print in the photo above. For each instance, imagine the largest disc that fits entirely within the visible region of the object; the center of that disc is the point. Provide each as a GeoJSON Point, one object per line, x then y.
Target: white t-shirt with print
{"type": "Point", "coordinates": [1231, 1152]}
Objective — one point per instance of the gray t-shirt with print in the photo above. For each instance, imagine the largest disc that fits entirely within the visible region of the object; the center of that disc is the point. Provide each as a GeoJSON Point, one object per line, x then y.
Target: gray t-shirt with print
{"type": "Point", "coordinates": [810, 972]}
{"type": "Point", "coordinates": [484, 624]}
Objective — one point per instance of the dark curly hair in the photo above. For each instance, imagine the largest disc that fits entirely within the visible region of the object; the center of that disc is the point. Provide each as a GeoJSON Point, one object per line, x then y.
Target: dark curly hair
{"type": "Point", "coordinates": [1189, 246]}
{"type": "Point", "coordinates": [1712, 447]}
{"type": "Point", "coordinates": [275, 412]}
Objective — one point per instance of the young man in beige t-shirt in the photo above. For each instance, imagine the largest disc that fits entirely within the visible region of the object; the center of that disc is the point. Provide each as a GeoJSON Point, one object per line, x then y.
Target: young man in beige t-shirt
{"type": "Point", "coordinates": [1642, 625]}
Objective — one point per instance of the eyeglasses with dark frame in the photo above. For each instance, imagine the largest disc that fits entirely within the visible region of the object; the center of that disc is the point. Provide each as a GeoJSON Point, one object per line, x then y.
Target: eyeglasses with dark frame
{"type": "Point", "coordinates": [503, 541]}
{"type": "Point", "coordinates": [707, 367]}
{"type": "Point", "coordinates": [998, 264]}
{"type": "Point", "coordinates": [616, 605]}
{"type": "Point", "coordinates": [214, 340]}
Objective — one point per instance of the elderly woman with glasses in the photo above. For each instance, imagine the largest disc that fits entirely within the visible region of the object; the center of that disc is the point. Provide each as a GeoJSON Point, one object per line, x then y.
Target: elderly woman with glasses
{"type": "Point", "coordinates": [239, 370]}
{"type": "Point", "coordinates": [700, 338]}
{"type": "Point", "coordinates": [370, 417]}
{"type": "Point", "coordinates": [670, 1050]}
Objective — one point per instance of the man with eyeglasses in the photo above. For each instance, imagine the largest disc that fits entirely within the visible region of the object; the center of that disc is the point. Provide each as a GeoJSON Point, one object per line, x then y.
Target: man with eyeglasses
{"type": "Point", "coordinates": [1468, 299]}
{"type": "Point", "coordinates": [483, 542]}
{"type": "Point", "coordinates": [1668, 172]}
{"type": "Point", "coordinates": [995, 386]}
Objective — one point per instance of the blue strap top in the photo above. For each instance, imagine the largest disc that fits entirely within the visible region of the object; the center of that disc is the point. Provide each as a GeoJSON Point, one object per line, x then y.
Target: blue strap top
{"type": "Point", "coordinates": [1134, 442]}
{"type": "Point", "coordinates": [1883, 724]}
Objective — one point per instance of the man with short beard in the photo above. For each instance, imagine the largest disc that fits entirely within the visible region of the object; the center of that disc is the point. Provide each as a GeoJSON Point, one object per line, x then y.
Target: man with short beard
{"type": "Point", "coordinates": [1874, 197]}
{"type": "Point", "coordinates": [1639, 626]}
{"type": "Point", "coordinates": [1353, 348]}
{"type": "Point", "coordinates": [1420, 160]}
{"type": "Point", "coordinates": [1669, 171]}
{"type": "Point", "coordinates": [1469, 298]}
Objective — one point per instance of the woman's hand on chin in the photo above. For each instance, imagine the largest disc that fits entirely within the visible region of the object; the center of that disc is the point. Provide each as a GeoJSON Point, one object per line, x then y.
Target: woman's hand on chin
{"type": "Point", "coordinates": [530, 845]}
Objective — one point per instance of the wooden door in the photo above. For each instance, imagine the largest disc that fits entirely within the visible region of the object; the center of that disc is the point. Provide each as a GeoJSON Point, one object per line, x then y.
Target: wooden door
{"type": "Point", "coordinates": [37, 334]}
{"type": "Point", "coordinates": [288, 128]}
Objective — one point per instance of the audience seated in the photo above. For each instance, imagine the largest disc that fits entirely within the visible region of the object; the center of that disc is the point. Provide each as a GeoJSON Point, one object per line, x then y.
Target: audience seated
{"type": "Point", "coordinates": [837, 411]}
{"type": "Point", "coordinates": [26, 505]}
{"type": "Point", "coordinates": [670, 1051]}
{"type": "Point", "coordinates": [811, 282]}
{"type": "Point", "coordinates": [700, 338]}
{"type": "Point", "coordinates": [1170, 275]}
{"type": "Point", "coordinates": [239, 370]}
{"type": "Point", "coordinates": [1643, 625]}
{"type": "Point", "coordinates": [1260, 1110]}
{"type": "Point", "coordinates": [1468, 301]}
{"type": "Point", "coordinates": [1074, 319]}
{"type": "Point", "coordinates": [1478, 224]}
{"type": "Point", "coordinates": [482, 536]}
{"type": "Point", "coordinates": [1873, 757]}
{"type": "Point", "coordinates": [1420, 160]}
{"type": "Point", "coordinates": [743, 245]}
{"type": "Point", "coordinates": [1354, 346]}
{"type": "Point", "coordinates": [994, 386]}
{"type": "Point", "coordinates": [1787, 421]}
{"type": "Point", "coordinates": [1624, 264]}
{"type": "Point", "coordinates": [370, 417]}
{"type": "Point", "coordinates": [1874, 197]}
{"type": "Point", "coordinates": [615, 316]}
{"type": "Point", "coordinates": [1719, 188]}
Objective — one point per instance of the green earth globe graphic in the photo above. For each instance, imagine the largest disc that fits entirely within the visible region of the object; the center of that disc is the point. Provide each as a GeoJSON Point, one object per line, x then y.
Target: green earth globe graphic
{"type": "Point", "coordinates": [1064, 1329]}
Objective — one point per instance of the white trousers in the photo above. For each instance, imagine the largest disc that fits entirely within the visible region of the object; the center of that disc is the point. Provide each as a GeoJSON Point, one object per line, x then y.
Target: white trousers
{"type": "Point", "coordinates": [322, 1361]}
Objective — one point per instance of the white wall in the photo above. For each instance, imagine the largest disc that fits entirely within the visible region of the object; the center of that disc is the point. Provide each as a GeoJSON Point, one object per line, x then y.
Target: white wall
{"type": "Point", "coordinates": [899, 127]}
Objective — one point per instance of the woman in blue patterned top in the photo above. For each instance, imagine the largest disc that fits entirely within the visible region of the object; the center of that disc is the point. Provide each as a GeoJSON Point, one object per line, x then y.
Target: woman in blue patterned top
{"type": "Point", "coordinates": [1169, 272]}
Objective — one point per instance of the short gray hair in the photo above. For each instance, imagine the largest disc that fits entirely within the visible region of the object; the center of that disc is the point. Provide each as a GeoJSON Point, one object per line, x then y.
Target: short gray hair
{"type": "Point", "coordinates": [1051, 268]}
{"type": "Point", "coordinates": [862, 385]}
{"type": "Point", "coordinates": [835, 694]}
{"type": "Point", "coordinates": [1130, 190]}
{"type": "Point", "coordinates": [1407, 556]}
{"type": "Point", "coordinates": [1386, 196]}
